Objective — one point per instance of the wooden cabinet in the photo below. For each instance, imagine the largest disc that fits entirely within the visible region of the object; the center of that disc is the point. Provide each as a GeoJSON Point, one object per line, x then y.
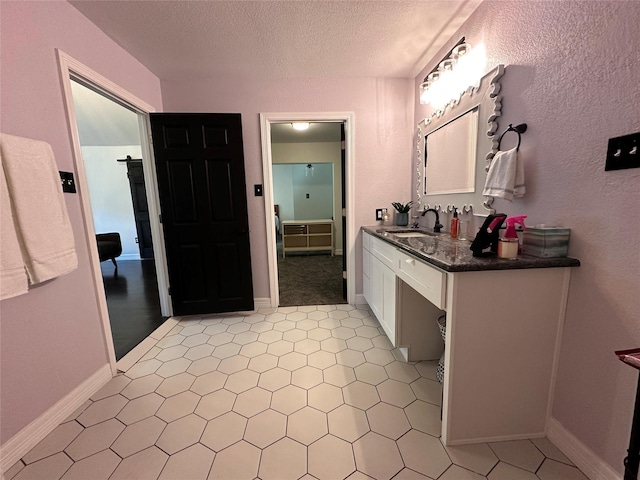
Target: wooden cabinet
{"type": "Point", "coordinates": [307, 235]}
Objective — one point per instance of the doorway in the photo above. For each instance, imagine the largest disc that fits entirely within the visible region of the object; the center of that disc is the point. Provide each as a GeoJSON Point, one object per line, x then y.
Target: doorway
{"type": "Point", "coordinates": [111, 153]}
{"type": "Point", "coordinates": [72, 69]}
{"type": "Point", "coordinates": [309, 153]}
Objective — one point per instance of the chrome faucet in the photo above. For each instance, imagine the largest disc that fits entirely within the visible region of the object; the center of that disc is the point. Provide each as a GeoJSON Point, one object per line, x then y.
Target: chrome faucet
{"type": "Point", "coordinates": [438, 225]}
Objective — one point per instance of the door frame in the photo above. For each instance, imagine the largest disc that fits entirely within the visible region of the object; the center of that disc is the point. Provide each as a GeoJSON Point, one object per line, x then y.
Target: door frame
{"type": "Point", "coordinates": [348, 118]}
{"type": "Point", "coordinates": [68, 68]}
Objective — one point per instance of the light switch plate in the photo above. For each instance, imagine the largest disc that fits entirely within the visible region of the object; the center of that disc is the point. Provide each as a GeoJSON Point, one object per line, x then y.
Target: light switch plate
{"type": "Point", "coordinates": [623, 152]}
{"type": "Point", "coordinates": [379, 213]}
{"type": "Point", "coordinates": [68, 182]}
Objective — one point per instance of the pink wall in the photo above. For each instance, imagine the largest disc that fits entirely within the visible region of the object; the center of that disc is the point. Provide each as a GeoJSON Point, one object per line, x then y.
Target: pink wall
{"type": "Point", "coordinates": [383, 125]}
{"type": "Point", "coordinates": [572, 75]}
{"type": "Point", "coordinates": [51, 339]}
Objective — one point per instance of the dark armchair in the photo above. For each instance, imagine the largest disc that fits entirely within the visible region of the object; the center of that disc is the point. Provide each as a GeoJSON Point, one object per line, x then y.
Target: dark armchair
{"type": "Point", "coordinates": [109, 247]}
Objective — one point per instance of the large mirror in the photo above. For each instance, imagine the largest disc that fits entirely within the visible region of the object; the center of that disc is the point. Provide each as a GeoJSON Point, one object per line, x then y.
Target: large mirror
{"type": "Point", "coordinates": [455, 147]}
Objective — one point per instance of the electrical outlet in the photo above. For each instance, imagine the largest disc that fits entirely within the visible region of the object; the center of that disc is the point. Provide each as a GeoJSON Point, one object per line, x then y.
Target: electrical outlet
{"type": "Point", "coordinates": [379, 213]}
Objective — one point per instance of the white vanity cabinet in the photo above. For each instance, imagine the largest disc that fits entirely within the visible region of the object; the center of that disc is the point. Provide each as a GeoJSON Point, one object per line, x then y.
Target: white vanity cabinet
{"type": "Point", "coordinates": [381, 283]}
{"type": "Point", "coordinates": [504, 324]}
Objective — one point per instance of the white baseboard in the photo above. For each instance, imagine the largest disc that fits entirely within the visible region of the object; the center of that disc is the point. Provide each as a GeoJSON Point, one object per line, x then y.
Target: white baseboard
{"type": "Point", "coordinates": [584, 458]}
{"type": "Point", "coordinates": [360, 299]}
{"type": "Point", "coordinates": [19, 445]}
{"type": "Point", "coordinates": [261, 303]}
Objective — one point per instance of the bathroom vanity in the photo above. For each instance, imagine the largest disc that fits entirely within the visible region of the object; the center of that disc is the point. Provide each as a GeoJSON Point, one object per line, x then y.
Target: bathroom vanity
{"type": "Point", "coordinates": [504, 326]}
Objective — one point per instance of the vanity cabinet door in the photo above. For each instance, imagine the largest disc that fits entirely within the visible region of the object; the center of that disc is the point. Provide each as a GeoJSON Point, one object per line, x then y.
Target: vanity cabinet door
{"type": "Point", "coordinates": [366, 275]}
{"type": "Point", "coordinates": [383, 296]}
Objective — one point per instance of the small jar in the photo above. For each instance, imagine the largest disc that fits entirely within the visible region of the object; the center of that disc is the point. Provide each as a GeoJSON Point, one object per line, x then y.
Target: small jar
{"type": "Point", "coordinates": [508, 248]}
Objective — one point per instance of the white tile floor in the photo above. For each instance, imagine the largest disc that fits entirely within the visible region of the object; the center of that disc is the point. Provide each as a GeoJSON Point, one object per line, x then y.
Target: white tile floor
{"type": "Point", "coordinates": [288, 393]}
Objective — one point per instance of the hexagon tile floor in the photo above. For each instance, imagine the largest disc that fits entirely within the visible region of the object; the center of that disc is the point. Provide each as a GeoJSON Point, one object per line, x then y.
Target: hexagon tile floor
{"type": "Point", "coordinates": [287, 393]}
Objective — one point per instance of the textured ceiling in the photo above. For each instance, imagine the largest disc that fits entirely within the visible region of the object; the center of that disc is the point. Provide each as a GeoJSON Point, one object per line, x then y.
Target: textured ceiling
{"type": "Point", "coordinates": [280, 39]}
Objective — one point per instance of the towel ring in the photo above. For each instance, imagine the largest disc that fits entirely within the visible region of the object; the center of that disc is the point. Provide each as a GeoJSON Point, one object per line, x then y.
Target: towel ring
{"type": "Point", "coordinates": [518, 129]}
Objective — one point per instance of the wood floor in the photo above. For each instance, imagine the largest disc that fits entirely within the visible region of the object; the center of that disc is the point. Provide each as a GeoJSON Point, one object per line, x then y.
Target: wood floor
{"type": "Point", "coordinates": [133, 302]}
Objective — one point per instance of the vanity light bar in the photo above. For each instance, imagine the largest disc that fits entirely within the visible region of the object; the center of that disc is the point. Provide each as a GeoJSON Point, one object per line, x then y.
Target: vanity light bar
{"type": "Point", "coordinates": [446, 57]}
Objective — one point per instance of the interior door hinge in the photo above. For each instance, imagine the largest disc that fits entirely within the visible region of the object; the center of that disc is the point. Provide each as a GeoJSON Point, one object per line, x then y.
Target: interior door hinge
{"type": "Point", "coordinates": [344, 275]}
{"type": "Point", "coordinates": [344, 212]}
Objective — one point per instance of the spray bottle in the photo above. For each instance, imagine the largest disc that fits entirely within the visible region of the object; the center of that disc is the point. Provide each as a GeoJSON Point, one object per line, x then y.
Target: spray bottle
{"type": "Point", "coordinates": [509, 244]}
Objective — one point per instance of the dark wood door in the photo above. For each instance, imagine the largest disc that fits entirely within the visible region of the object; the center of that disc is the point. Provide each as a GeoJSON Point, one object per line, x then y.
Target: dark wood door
{"type": "Point", "coordinates": [201, 180]}
{"type": "Point", "coordinates": [140, 207]}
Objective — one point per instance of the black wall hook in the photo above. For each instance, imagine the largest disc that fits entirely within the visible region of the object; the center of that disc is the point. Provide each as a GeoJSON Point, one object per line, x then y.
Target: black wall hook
{"type": "Point", "coordinates": [519, 129]}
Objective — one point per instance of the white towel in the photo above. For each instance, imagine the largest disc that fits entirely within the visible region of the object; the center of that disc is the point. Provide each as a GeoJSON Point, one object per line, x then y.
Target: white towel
{"type": "Point", "coordinates": [505, 178]}
{"type": "Point", "coordinates": [39, 211]}
{"type": "Point", "coordinates": [13, 276]}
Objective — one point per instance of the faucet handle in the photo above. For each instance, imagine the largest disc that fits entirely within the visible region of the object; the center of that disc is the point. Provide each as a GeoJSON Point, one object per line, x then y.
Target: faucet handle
{"type": "Point", "coordinates": [437, 227]}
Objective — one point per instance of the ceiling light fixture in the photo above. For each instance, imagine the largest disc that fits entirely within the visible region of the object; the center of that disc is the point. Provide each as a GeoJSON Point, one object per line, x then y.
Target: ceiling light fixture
{"type": "Point", "coordinates": [300, 125]}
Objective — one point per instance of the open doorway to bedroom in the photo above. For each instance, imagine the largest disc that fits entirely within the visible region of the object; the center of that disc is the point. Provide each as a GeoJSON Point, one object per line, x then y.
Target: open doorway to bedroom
{"type": "Point", "coordinates": [308, 191]}
{"type": "Point", "coordinates": [111, 150]}
{"type": "Point", "coordinates": [308, 237]}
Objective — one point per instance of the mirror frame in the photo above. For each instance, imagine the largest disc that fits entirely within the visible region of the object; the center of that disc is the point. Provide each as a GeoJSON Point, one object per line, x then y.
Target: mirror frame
{"type": "Point", "coordinates": [486, 98]}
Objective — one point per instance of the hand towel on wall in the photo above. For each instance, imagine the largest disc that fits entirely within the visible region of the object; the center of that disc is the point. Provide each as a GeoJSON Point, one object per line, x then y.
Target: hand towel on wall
{"type": "Point", "coordinates": [13, 276]}
{"type": "Point", "coordinates": [40, 213]}
{"type": "Point", "coordinates": [505, 178]}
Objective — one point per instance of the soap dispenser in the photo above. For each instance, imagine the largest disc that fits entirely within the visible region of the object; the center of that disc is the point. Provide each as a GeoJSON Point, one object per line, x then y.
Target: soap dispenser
{"type": "Point", "coordinates": [455, 223]}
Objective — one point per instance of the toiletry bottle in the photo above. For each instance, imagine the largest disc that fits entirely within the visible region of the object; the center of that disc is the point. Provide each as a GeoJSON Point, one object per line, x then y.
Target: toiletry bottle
{"type": "Point", "coordinates": [509, 244]}
{"type": "Point", "coordinates": [454, 223]}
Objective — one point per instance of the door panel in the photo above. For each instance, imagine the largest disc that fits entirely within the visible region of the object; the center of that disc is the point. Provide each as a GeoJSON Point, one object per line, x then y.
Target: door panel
{"type": "Point", "coordinates": [140, 207]}
{"type": "Point", "coordinates": [201, 181]}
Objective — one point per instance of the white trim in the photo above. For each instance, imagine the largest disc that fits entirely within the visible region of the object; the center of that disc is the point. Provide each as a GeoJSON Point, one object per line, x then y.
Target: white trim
{"type": "Point", "coordinates": [68, 67]}
{"type": "Point", "coordinates": [500, 438]}
{"type": "Point", "coordinates": [360, 300]}
{"type": "Point", "coordinates": [259, 303]}
{"type": "Point", "coordinates": [556, 354]}
{"type": "Point", "coordinates": [19, 445]}
{"type": "Point", "coordinates": [348, 118]}
{"type": "Point", "coordinates": [582, 456]}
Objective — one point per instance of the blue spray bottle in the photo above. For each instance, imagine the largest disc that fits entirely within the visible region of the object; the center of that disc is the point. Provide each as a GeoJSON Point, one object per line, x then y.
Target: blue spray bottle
{"type": "Point", "coordinates": [509, 245]}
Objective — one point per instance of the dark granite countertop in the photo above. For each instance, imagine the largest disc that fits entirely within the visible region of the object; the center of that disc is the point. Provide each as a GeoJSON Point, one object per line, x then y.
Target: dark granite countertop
{"type": "Point", "coordinates": [452, 255]}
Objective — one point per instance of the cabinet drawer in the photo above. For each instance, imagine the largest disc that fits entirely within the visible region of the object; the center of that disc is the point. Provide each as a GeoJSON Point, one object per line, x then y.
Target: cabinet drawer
{"type": "Point", "coordinates": [320, 241]}
{"type": "Point", "coordinates": [292, 229]}
{"type": "Point", "coordinates": [319, 228]}
{"type": "Point", "coordinates": [385, 252]}
{"type": "Point", "coordinates": [426, 280]}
